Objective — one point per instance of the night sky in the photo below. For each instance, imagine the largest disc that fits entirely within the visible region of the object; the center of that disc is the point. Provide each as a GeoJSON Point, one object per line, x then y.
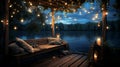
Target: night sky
{"type": "Point", "coordinates": [88, 12]}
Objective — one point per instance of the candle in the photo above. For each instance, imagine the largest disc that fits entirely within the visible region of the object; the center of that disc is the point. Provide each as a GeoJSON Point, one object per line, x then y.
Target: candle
{"type": "Point", "coordinates": [95, 56]}
{"type": "Point", "coordinates": [58, 37]}
{"type": "Point", "coordinates": [99, 41]}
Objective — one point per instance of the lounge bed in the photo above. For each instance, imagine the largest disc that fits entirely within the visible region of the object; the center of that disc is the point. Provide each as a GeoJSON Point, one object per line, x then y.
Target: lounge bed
{"type": "Point", "coordinates": [35, 48]}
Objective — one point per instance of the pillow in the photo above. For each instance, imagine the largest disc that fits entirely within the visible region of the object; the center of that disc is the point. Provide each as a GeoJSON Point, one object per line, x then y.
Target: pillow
{"type": "Point", "coordinates": [15, 49]}
{"type": "Point", "coordinates": [54, 43]}
{"type": "Point", "coordinates": [24, 45]}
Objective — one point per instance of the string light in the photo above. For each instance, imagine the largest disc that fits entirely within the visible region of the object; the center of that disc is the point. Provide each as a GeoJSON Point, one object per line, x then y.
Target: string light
{"type": "Point", "coordinates": [46, 17]}
{"type": "Point", "coordinates": [106, 13]}
{"type": "Point", "coordinates": [29, 10]}
{"type": "Point", "coordinates": [11, 16]}
{"type": "Point", "coordinates": [43, 24]}
{"type": "Point", "coordinates": [22, 20]}
{"type": "Point", "coordinates": [30, 3]}
{"type": "Point", "coordinates": [92, 8]}
{"type": "Point", "coordinates": [7, 23]}
{"type": "Point", "coordinates": [65, 3]}
{"type": "Point", "coordinates": [80, 13]}
{"type": "Point", "coordinates": [46, 20]}
{"type": "Point", "coordinates": [74, 10]}
{"type": "Point", "coordinates": [24, 1]}
{"type": "Point", "coordinates": [96, 15]}
{"type": "Point", "coordinates": [107, 27]}
{"type": "Point", "coordinates": [10, 6]}
{"type": "Point", "coordinates": [93, 18]}
{"type": "Point", "coordinates": [56, 27]}
{"type": "Point", "coordinates": [50, 3]}
{"type": "Point", "coordinates": [13, 12]}
{"type": "Point", "coordinates": [98, 25]}
{"type": "Point", "coordinates": [38, 15]}
{"type": "Point", "coordinates": [2, 21]}
{"type": "Point", "coordinates": [102, 8]}
{"type": "Point", "coordinates": [17, 10]}
{"type": "Point", "coordinates": [50, 13]}
{"type": "Point", "coordinates": [85, 10]}
{"type": "Point", "coordinates": [15, 28]}
{"type": "Point", "coordinates": [58, 17]}
{"type": "Point", "coordinates": [88, 12]}
{"type": "Point", "coordinates": [75, 19]}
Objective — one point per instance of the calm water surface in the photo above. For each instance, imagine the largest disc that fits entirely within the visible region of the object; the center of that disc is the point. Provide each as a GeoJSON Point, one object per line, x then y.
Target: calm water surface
{"type": "Point", "coordinates": [79, 41]}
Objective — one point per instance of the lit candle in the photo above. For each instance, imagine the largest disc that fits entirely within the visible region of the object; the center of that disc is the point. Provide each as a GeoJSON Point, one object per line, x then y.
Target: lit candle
{"type": "Point", "coordinates": [58, 36]}
{"type": "Point", "coordinates": [99, 41]}
{"type": "Point", "coordinates": [95, 56]}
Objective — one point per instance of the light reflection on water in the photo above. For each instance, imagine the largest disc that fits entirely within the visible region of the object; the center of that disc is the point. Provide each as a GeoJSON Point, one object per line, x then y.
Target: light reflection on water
{"type": "Point", "coordinates": [79, 41]}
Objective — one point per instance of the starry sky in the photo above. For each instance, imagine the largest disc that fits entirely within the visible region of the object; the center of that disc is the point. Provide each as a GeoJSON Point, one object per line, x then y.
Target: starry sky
{"type": "Point", "coordinates": [88, 12]}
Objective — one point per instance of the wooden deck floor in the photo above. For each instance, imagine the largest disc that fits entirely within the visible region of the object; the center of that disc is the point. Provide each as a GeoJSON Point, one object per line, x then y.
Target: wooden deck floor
{"type": "Point", "coordinates": [72, 60]}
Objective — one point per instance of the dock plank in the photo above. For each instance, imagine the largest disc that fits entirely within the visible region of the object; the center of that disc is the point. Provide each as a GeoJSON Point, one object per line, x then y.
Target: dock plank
{"type": "Point", "coordinates": [72, 60]}
{"type": "Point", "coordinates": [62, 61]}
{"type": "Point", "coordinates": [67, 64]}
{"type": "Point", "coordinates": [85, 64]}
{"type": "Point", "coordinates": [79, 62]}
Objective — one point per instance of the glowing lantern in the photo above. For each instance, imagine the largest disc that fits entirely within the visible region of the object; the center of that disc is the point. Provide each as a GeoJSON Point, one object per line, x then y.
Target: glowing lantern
{"type": "Point", "coordinates": [99, 41]}
{"type": "Point", "coordinates": [58, 36]}
{"type": "Point", "coordinates": [95, 56]}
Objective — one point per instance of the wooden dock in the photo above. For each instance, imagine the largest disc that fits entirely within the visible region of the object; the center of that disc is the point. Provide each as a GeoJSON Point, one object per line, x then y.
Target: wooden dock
{"type": "Point", "coordinates": [72, 60]}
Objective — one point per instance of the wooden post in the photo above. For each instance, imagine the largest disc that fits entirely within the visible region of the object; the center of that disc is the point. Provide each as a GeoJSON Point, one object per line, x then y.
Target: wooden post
{"type": "Point", "coordinates": [6, 27]}
{"type": "Point", "coordinates": [53, 23]}
{"type": "Point", "coordinates": [104, 21]}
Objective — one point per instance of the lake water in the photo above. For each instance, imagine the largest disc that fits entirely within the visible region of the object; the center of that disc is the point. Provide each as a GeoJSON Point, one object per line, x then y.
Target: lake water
{"type": "Point", "coordinates": [79, 41]}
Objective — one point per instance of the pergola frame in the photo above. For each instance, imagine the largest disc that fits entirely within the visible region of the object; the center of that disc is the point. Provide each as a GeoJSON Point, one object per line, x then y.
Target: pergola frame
{"type": "Point", "coordinates": [54, 5]}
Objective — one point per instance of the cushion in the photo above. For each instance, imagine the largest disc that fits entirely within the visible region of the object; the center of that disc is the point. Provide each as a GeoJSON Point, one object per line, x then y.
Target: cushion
{"type": "Point", "coordinates": [24, 45]}
{"type": "Point", "coordinates": [15, 49]}
{"type": "Point", "coordinates": [54, 43]}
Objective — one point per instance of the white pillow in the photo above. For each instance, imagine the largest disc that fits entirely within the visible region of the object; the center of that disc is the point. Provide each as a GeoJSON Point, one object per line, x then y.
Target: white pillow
{"type": "Point", "coordinates": [25, 45]}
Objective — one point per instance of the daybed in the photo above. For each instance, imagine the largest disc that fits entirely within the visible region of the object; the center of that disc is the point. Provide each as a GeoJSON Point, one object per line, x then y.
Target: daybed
{"type": "Point", "coordinates": [29, 49]}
